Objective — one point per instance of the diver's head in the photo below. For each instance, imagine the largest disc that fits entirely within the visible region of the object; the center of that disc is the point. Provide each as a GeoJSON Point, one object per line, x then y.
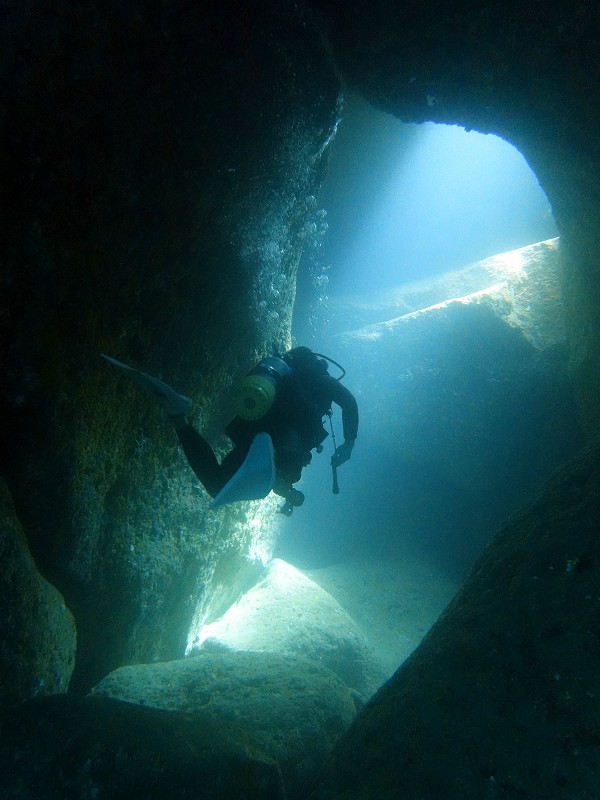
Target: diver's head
{"type": "Point", "coordinates": [302, 359]}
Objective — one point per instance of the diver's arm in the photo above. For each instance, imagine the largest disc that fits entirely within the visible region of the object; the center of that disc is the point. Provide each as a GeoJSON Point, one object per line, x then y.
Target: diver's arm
{"type": "Point", "coordinates": [344, 398]}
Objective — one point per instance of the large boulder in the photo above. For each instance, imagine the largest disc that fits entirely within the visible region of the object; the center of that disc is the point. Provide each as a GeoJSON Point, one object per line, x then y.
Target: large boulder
{"type": "Point", "coordinates": [500, 699]}
{"type": "Point", "coordinates": [37, 631]}
{"type": "Point", "coordinates": [94, 747]}
{"type": "Point", "coordinates": [467, 404]}
{"type": "Point", "coordinates": [292, 709]}
{"type": "Point", "coordinates": [287, 613]}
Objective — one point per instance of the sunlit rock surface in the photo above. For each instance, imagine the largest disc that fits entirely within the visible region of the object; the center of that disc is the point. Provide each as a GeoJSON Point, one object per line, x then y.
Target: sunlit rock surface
{"type": "Point", "coordinates": [501, 697]}
{"type": "Point", "coordinates": [528, 280]}
{"type": "Point", "coordinates": [287, 613]}
{"type": "Point", "coordinates": [467, 404]}
{"type": "Point", "coordinates": [291, 709]}
{"type": "Point", "coordinates": [93, 747]}
{"type": "Point", "coordinates": [37, 631]}
{"type": "Point", "coordinates": [160, 169]}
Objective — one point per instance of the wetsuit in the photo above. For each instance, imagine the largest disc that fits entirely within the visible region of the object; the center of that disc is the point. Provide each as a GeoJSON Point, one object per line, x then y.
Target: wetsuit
{"type": "Point", "coordinates": [294, 423]}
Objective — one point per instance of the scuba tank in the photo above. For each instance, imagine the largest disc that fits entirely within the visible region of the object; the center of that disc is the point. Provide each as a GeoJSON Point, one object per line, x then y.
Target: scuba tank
{"type": "Point", "coordinates": [257, 391]}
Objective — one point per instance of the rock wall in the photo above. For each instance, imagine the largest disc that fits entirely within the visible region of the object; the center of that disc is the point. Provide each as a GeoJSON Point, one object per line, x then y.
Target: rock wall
{"type": "Point", "coordinates": [159, 172]}
{"type": "Point", "coordinates": [37, 632]}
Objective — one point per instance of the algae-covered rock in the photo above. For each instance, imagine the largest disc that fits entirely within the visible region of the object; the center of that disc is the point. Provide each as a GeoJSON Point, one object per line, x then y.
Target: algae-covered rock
{"type": "Point", "coordinates": [37, 631]}
{"type": "Point", "coordinates": [94, 747]}
{"type": "Point", "coordinates": [291, 709]}
{"type": "Point", "coordinates": [501, 698]}
{"type": "Point", "coordinates": [161, 165]}
{"type": "Point", "coordinates": [288, 613]}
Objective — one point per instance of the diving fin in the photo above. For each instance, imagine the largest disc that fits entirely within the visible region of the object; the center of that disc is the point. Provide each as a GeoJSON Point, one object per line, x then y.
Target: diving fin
{"type": "Point", "coordinates": [255, 478]}
{"type": "Point", "coordinates": [172, 402]}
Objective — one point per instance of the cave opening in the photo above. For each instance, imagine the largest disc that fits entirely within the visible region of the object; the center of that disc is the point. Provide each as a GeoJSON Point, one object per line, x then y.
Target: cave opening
{"type": "Point", "coordinates": [431, 249]}
{"type": "Point", "coordinates": [403, 202]}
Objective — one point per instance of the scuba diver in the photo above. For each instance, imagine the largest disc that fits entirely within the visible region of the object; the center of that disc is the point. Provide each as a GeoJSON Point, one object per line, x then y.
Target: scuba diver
{"type": "Point", "coordinates": [279, 409]}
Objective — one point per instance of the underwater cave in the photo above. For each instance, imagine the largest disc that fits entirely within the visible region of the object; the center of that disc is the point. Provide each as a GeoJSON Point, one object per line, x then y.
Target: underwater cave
{"type": "Point", "coordinates": [430, 631]}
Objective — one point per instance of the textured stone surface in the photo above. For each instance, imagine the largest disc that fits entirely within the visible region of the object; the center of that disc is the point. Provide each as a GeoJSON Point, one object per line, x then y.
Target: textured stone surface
{"type": "Point", "coordinates": [501, 698]}
{"type": "Point", "coordinates": [37, 631]}
{"type": "Point", "coordinates": [73, 747]}
{"type": "Point", "coordinates": [287, 613]}
{"type": "Point", "coordinates": [160, 166]}
{"type": "Point", "coordinates": [292, 709]}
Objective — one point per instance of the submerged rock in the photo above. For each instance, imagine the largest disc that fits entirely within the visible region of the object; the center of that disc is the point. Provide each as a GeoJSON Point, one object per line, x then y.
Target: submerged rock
{"type": "Point", "coordinates": [290, 709]}
{"type": "Point", "coordinates": [93, 747]}
{"type": "Point", "coordinates": [524, 285]}
{"type": "Point", "coordinates": [501, 698]}
{"type": "Point", "coordinates": [37, 631]}
{"type": "Point", "coordinates": [288, 613]}
{"type": "Point", "coordinates": [467, 405]}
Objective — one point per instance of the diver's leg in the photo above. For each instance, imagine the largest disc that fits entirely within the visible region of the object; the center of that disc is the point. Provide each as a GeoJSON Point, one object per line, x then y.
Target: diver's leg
{"type": "Point", "coordinates": [290, 457]}
{"type": "Point", "coordinates": [212, 475]}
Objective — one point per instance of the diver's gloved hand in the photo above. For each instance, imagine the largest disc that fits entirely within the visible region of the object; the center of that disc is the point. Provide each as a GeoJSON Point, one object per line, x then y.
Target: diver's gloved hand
{"type": "Point", "coordinates": [343, 453]}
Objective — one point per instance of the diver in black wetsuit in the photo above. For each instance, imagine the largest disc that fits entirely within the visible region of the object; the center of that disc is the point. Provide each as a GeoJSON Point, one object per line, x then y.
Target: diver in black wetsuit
{"type": "Point", "coordinates": [285, 398]}
{"type": "Point", "coordinates": [294, 421]}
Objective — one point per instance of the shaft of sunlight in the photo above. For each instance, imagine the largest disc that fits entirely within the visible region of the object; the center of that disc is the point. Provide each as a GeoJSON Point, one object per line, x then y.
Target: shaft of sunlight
{"type": "Point", "coordinates": [451, 197]}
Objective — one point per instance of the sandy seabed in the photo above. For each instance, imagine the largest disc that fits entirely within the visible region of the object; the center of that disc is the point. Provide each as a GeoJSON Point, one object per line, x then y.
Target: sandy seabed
{"type": "Point", "coordinates": [394, 602]}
